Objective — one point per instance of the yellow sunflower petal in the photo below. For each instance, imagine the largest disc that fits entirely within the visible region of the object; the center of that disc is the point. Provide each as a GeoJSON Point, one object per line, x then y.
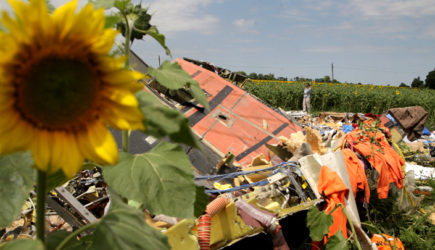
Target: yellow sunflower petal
{"type": "Point", "coordinates": [109, 63]}
{"type": "Point", "coordinates": [57, 136]}
{"type": "Point", "coordinates": [66, 154]}
{"type": "Point", "coordinates": [15, 137]}
{"type": "Point", "coordinates": [121, 96]}
{"type": "Point", "coordinates": [122, 77]}
{"type": "Point", "coordinates": [123, 117]}
{"type": "Point", "coordinates": [42, 149]}
{"type": "Point", "coordinates": [105, 43]}
{"type": "Point", "coordinates": [64, 17]}
{"type": "Point", "coordinates": [15, 30]}
{"type": "Point", "coordinates": [98, 145]}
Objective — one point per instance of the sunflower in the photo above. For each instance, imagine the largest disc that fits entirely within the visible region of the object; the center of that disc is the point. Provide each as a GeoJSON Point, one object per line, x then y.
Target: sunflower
{"type": "Point", "coordinates": [60, 88]}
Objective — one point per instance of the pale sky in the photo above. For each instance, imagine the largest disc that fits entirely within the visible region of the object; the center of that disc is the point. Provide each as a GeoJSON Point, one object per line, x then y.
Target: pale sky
{"type": "Point", "coordinates": [368, 41]}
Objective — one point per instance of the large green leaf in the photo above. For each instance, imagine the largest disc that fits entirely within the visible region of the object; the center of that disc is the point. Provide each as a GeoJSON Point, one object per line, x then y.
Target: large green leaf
{"type": "Point", "coordinates": [22, 244]}
{"type": "Point", "coordinates": [337, 242]}
{"type": "Point", "coordinates": [161, 179]}
{"type": "Point", "coordinates": [124, 227]}
{"type": "Point", "coordinates": [198, 94]}
{"type": "Point", "coordinates": [172, 76]}
{"type": "Point", "coordinates": [56, 179]}
{"type": "Point", "coordinates": [160, 38]}
{"type": "Point", "coordinates": [105, 4]}
{"type": "Point", "coordinates": [201, 201]}
{"type": "Point", "coordinates": [161, 120]}
{"type": "Point", "coordinates": [111, 20]}
{"type": "Point", "coordinates": [55, 238]}
{"type": "Point", "coordinates": [121, 5]}
{"type": "Point", "coordinates": [16, 181]}
{"type": "Point", "coordinates": [318, 223]}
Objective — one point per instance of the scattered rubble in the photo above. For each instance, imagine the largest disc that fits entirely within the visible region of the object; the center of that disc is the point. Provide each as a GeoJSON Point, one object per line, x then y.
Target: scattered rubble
{"type": "Point", "coordinates": [250, 198]}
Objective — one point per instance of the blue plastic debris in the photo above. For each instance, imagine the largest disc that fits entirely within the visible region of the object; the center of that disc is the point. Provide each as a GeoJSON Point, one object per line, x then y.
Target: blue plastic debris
{"type": "Point", "coordinates": [425, 131]}
{"type": "Point", "coordinates": [347, 128]}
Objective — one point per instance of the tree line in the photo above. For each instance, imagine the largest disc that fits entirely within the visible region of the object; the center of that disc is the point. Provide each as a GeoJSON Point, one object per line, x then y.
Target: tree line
{"type": "Point", "coordinates": [429, 82]}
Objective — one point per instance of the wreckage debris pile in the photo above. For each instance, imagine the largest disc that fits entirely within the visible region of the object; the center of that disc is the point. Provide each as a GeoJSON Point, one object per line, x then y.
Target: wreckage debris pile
{"type": "Point", "coordinates": [338, 158]}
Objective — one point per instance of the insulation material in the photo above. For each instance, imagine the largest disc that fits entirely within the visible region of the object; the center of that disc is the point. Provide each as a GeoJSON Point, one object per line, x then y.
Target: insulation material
{"type": "Point", "coordinates": [315, 140]}
{"type": "Point", "coordinates": [295, 141]}
{"type": "Point", "coordinates": [259, 161]}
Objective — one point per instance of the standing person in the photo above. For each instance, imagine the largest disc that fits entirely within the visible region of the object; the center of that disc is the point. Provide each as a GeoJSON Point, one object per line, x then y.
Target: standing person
{"type": "Point", "coordinates": [307, 95]}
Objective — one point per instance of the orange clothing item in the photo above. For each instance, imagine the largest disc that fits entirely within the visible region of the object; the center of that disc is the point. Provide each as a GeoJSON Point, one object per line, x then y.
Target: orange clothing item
{"type": "Point", "coordinates": [382, 157]}
{"type": "Point", "coordinates": [385, 245]}
{"type": "Point", "coordinates": [357, 176]}
{"type": "Point", "coordinates": [331, 186]}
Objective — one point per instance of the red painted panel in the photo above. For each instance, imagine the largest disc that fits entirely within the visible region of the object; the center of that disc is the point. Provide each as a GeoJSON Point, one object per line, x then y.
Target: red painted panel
{"type": "Point", "coordinates": [239, 128]}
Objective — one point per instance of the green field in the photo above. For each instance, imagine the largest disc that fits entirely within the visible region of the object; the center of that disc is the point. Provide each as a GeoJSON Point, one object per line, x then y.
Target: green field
{"type": "Point", "coordinates": [343, 97]}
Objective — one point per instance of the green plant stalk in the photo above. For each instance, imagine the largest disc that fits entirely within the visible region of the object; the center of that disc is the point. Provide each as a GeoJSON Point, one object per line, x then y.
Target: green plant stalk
{"type": "Point", "coordinates": [125, 133]}
{"type": "Point", "coordinates": [41, 192]}
{"type": "Point", "coordinates": [75, 234]}
{"type": "Point", "coordinates": [351, 226]}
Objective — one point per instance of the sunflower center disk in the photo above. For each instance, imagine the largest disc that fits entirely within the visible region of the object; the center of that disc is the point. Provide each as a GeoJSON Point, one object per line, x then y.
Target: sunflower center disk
{"type": "Point", "coordinates": [58, 94]}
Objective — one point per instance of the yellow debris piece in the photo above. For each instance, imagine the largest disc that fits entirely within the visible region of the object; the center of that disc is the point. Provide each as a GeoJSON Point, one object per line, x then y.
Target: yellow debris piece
{"type": "Point", "coordinates": [219, 186]}
{"type": "Point", "coordinates": [180, 236]}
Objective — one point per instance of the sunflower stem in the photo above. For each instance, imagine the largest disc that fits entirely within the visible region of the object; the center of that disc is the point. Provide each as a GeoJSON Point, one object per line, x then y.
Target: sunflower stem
{"type": "Point", "coordinates": [41, 192]}
{"type": "Point", "coordinates": [126, 134]}
{"type": "Point", "coordinates": [74, 234]}
{"type": "Point", "coordinates": [125, 140]}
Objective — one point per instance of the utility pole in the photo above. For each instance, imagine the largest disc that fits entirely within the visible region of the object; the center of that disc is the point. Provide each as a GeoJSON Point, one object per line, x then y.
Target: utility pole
{"type": "Point", "coordinates": [159, 60]}
{"type": "Point", "coordinates": [332, 71]}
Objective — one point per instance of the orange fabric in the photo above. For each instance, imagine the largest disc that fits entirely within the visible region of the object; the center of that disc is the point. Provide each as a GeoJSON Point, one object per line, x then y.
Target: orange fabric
{"type": "Point", "coordinates": [381, 156]}
{"type": "Point", "coordinates": [331, 186]}
{"type": "Point", "coordinates": [383, 245]}
{"type": "Point", "coordinates": [357, 176]}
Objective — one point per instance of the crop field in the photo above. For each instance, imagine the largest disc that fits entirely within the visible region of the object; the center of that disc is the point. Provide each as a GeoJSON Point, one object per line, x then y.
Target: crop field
{"type": "Point", "coordinates": [343, 97]}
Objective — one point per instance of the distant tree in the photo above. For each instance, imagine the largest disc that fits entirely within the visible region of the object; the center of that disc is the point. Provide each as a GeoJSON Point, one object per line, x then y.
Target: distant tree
{"type": "Point", "coordinates": [430, 80]}
{"type": "Point", "coordinates": [327, 79]}
{"type": "Point", "coordinates": [269, 76]}
{"type": "Point", "coordinates": [253, 75]}
{"type": "Point", "coordinates": [403, 85]}
{"type": "Point", "coordinates": [297, 78]}
{"type": "Point", "coordinates": [241, 73]}
{"type": "Point", "coordinates": [417, 83]}
{"type": "Point", "coordinates": [282, 78]}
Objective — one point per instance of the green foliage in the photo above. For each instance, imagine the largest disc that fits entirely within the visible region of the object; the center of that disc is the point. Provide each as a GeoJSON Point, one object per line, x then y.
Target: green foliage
{"type": "Point", "coordinates": [111, 20]}
{"type": "Point", "coordinates": [201, 201]}
{"type": "Point", "coordinates": [22, 244]}
{"type": "Point", "coordinates": [55, 238]}
{"type": "Point", "coordinates": [161, 179]}
{"type": "Point", "coordinates": [417, 83]}
{"type": "Point", "coordinates": [154, 33]}
{"type": "Point", "coordinates": [16, 181]}
{"type": "Point", "coordinates": [56, 179]}
{"type": "Point", "coordinates": [161, 120]}
{"type": "Point", "coordinates": [105, 4]}
{"type": "Point", "coordinates": [413, 229]}
{"type": "Point", "coordinates": [337, 242]}
{"type": "Point", "coordinates": [124, 227]}
{"type": "Point", "coordinates": [318, 222]}
{"type": "Point", "coordinates": [344, 97]}
{"type": "Point", "coordinates": [430, 80]}
{"type": "Point", "coordinates": [173, 77]}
